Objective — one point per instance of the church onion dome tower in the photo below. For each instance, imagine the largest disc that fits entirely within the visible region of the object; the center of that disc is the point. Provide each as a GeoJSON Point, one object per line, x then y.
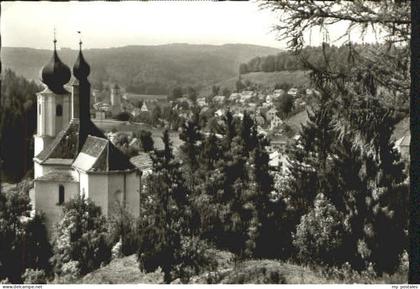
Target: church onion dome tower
{"type": "Point", "coordinates": [81, 68]}
{"type": "Point", "coordinates": [55, 73]}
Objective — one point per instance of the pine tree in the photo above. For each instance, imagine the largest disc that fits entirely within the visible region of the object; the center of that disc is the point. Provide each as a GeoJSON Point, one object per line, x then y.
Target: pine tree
{"type": "Point", "coordinates": [376, 196]}
{"type": "Point", "coordinates": [248, 135]}
{"type": "Point", "coordinates": [360, 172]}
{"type": "Point", "coordinates": [167, 224]}
{"type": "Point", "coordinates": [191, 148]}
{"type": "Point", "coordinates": [240, 190]}
{"type": "Point", "coordinates": [146, 140]}
{"type": "Point", "coordinates": [270, 237]}
{"type": "Point", "coordinates": [309, 163]}
{"type": "Point", "coordinates": [211, 152]}
{"type": "Point", "coordinates": [230, 130]}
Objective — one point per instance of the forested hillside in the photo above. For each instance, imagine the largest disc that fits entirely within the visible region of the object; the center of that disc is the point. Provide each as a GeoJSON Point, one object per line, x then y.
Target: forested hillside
{"type": "Point", "coordinates": [339, 57]}
{"type": "Point", "coordinates": [145, 69]}
{"type": "Point", "coordinates": [17, 124]}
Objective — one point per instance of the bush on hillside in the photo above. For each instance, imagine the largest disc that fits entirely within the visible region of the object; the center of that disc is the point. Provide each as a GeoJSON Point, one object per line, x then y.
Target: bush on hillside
{"type": "Point", "coordinates": [242, 274]}
{"type": "Point", "coordinates": [34, 276]}
{"type": "Point", "coordinates": [81, 237]}
{"type": "Point", "coordinates": [196, 256]}
{"type": "Point", "coordinates": [123, 229]}
{"type": "Point", "coordinates": [319, 234]}
{"type": "Point", "coordinates": [23, 238]}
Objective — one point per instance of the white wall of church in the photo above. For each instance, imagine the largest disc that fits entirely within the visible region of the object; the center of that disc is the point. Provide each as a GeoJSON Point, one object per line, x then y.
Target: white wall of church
{"type": "Point", "coordinates": [48, 122]}
{"type": "Point", "coordinates": [95, 187]}
{"type": "Point", "coordinates": [115, 191]}
{"type": "Point", "coordinates": [46, 199]}
{"type": "Point", "coordinates": [50, 115]}
{"type": "Point", "coordinates": [38, 170]}
{"type": "Point", "coordinates": [97, 191]}
{"type": "Point", "coordinates": [84, 183]}
{"type": "Point", "coordinates": [39, 144]}
{"type": "Point", "coordinates": [40, 115]}
{"type": "Point", "coordinates": [66, 110]}
{"type": "Point", "coordinates": [107, 190]}
{"type": "Point", "coordinates": [133, 197]}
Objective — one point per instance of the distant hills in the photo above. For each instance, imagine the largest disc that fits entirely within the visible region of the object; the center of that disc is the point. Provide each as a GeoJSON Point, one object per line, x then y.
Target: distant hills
{"type": "Point", "coordinates": [149, 69]}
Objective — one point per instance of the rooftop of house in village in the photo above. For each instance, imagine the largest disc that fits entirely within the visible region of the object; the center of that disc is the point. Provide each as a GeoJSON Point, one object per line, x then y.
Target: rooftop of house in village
{"type": "Point", "coordinates": [145, 97]}
{"type": "Point", "coordinates": [142, 161]}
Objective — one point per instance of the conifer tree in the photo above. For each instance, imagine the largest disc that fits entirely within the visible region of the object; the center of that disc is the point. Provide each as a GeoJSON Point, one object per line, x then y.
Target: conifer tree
{"type": "Point", "coordinates": [211, 152]}
{"type": "Point", "coordinates": [192, 137]}
{"type": "Point", "coordinates": [146, 140]}
{"type": "Point", "coordinates": [270, 240]}
{"type": "Point", "coordinates": [376, 196]}
{"type": "Point", "coordinates": [167, 238]}
{"type": "Point", "coordinates": [230, 130]}
{"type": "Point", "coordinates": [309, 163]}
{"type": "Point", "coordinates": [360, 172]}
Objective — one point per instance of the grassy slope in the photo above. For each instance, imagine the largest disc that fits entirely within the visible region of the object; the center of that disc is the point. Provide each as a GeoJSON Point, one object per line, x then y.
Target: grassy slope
{"type": "Point", "coordinates": [121, 271]}
{"type": "Point", "coordinates": [125, 271]}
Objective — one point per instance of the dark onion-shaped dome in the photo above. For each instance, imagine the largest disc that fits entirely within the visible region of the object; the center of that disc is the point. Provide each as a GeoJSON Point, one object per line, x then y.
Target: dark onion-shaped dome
{"type": "Point", "coordinates": [81, 68]}
{"type": "Point", "coordinates": [55, 74]}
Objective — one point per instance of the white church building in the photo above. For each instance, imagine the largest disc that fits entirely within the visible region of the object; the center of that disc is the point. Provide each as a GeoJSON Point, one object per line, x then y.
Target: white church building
{"type": "Point", "coordinates": [72, 156]}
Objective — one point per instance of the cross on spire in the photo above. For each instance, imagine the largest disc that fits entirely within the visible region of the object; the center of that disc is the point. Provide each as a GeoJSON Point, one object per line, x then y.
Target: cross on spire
{"type": "Point", "coordinates": [55, 40]}
{"type": "Point", "coordinates": [80, 40]}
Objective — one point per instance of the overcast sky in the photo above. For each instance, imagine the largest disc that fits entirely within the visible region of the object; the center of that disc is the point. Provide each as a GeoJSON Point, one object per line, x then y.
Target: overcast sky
{"type": "Point", "coordinates": [113, 24]}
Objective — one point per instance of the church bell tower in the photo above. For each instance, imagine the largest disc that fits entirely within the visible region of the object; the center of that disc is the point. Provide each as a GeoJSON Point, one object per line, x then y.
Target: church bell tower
{"type": "Point", "coordinates": [53, 103]}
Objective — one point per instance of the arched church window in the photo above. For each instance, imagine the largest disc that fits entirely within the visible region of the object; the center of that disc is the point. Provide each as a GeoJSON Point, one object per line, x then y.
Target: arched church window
{"type": "Point", "coordinates": [60, 194]}
{"type": "Point", "coordinates": [59, 110]}
{"type": "Point", "coordinates": [118, 196]}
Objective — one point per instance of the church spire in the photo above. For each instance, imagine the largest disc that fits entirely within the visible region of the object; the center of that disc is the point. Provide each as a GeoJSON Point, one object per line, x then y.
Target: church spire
{"type": "Point", "coordinates": [55, 73]}
{"type": "Point", "coordinates": [81, 70]}
{"type": "Point", "coordinates": [80, 40]}
{"type": "Point", "coordinates": [55, 42]}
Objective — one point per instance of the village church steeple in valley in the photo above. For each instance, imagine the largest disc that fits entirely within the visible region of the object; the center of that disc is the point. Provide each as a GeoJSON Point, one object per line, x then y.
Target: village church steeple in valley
{"type": "Point", "coordinates": [72, 155]}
